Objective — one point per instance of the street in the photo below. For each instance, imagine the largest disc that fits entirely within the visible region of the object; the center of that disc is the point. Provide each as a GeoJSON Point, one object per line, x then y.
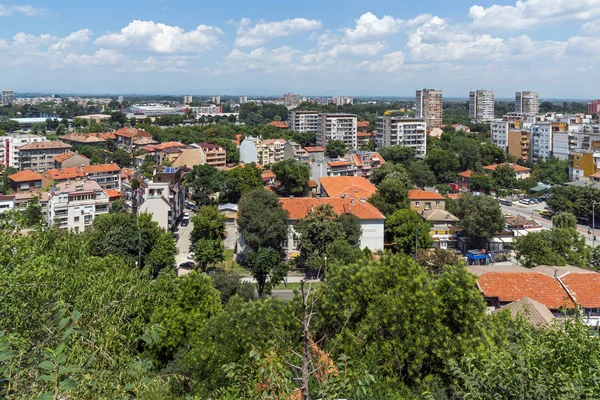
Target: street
{"type": "Point", "coordinates": [183, 247]}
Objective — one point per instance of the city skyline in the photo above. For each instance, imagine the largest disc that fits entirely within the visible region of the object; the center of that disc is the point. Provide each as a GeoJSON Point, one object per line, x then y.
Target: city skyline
{"type": "Point", "coordinates": [335, 48]}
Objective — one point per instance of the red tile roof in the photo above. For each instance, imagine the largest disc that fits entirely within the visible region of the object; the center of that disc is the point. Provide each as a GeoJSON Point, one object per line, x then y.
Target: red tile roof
{"type": "Point", "coordinates": [418, 194]}
{"type": "Point", "coordinates": [65, 173]}
{"type": "Point", "coordinates": [131, 132]}
{"type": "Point", "coordinates": [94, 169]}
{"type": "Point", "coordinates": [353, 186]}
{"type": "Point", "coordinates": [126, 172]}
{"type": "Point", "coordinates": [113, 194]}
{"type": "Point", "coordinates": [268, 175]}
{"type": "Point", "coordinates": [312, 184]}
{"type": "Point", "coordinates": [315, 149]}
{"type": "Point", "coordinates": [65, 156]}
{"type": "Point", "coordinates": [299, 207]}
{"type": "Point", "coordinates": [49, 144]}
{"type": "Point", "coordinates": [25, 176]}
{"type": "Point", "coordinates": [585, 288]}
{"type": "Point", "coordinates": [515, 167]}
{"type": "Point", "coordinates": [466, 174]}
{"type": "Point", "coordinates": [362, 124]}
{"type": "Point", "coordinates": [365, 134]}
{"type": "Point", "coordinates": [513, 286]}
{"type": "Point", "coordinates": [338, 163]}
{"type": "Point", "coordinates": [279, 124]}
{"type": "Point", "coordinates": [162, 146]}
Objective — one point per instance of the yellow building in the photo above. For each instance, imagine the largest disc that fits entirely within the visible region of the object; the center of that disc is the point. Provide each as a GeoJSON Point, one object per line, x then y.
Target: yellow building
{"type": "Point", "coordinates": [421, 200]}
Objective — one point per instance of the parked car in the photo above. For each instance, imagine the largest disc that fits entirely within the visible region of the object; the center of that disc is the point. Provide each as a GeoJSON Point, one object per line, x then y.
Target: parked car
{"type": "Point", "coordinates": [176, 236]}
{"type": "Point", "coordinates": [191, 256]}
{"type": "Point", "coordinates": [546, 213]}
{"type": "Point", "coordinates": [187, 265]}
{"type": "Point", "coordinates": [506, 202]}
{"type": "Point", "coordinates": [186, 219]}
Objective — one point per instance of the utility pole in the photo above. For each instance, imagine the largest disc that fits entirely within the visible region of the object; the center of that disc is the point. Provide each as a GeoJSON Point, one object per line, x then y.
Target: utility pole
{"type": "Point", "coordinates": [417, 240]}
{"type": "Point", "coordinates": [593, 224]}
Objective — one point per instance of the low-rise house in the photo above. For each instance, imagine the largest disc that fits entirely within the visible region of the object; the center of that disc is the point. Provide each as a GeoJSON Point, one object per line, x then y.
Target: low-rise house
{"type": "Point", "coordinates": [39, 156]}
{"type": "Point", "coordinates": [347, 186]}
{"type": "Point", "coordinates": [520, 171]}
{"type": "Point", "coordinates": [188, 158]}
{"type": "Point", "coordinates": [113, 195]}
{"type": "Point", "coordinates": [364, 138]}
{"type": "Point", "coordinates": [315, 152]}
{"type": "Point", "coordinates": [25, 181]}
{"type": "Point", "coordinates": [74, 205]}
{"type": "Point", "coordinates": [84, 139]}
{"type": "Point", "coordinates": [279, 124]}
{"type": "Point", "coordinates": [58, 175]}
{"type": "Point", "coordinates": [421, 200]}
{"type": "Point", "coordinates": [131, 139]}
{"type": "Point", "coordinates": [365, 161]}
{"type": "Point", "coordinates": [585, 291]}
{"type": "Point", "coordinates": [108, 176]}
{"type": "Point", "coordinates": [464, 179]}
{"type": "Point", "coordinates": [7, 202]}
{"type": "Point", "coordinates": [443, 228]}
{"type": "Point", "coordinates": [293, 151]}
{"type": "Point", "coordinates": [341, 168]}
{"type": "Point", "coordinates": [214, 155]}
{"type": "Point", "coordinates": [536, 313]}
{"type": "Point", "coordinates": [70, 159]}
{"type": "Point", "coordinates": [230, 212]}
{"type": "Point", "coordinates": [371, 219]}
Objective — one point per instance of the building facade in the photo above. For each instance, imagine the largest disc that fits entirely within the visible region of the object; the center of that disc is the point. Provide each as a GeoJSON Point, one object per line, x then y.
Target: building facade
{"type": "Point", "coordinates": [8, 97]}
{"type": "Point", "coordinates": [527, 102]}
{"type": "Point", "coordinates": [481, 105]}
{"type": "Point", "coordinates": [430, 106]}
{"type": "Point", "coordinates": [594, 107]}
{"type": "Point", "coordinates": [341, 127]}
{"type": "Point", "coordinates": [214, 155]}
{"type": "Point", "coordinates": [74, 205]}
{"type": "Point", "coordinates": [107, 176]}
{"type": "Point", "coordinates": [304, 121]}
{"type": "Point", "coordinates": [291, 99]}
{"type": "Point", "coordinates": [39, 156]}
{"type": "Point", "coordinates": [9, 148]}
{"type": "Point", "coordinates": [407, 132]}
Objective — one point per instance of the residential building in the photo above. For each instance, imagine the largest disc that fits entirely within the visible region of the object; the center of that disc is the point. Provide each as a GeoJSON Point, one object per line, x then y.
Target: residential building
{"type": "Point", "coordinates": [407, 132]}
{"type": "Point", "coordinates": [585, 291]}
{"type": "Point", "coordinates": [594, 107]}
{"type": "Point", "coordinates": [187, 158]}
{"type": "Point", "coordinates": [337, 127]}
{"type": "Point", "coordinates": [421, 200]}
{"type": "Point", "coordinates": [291, 99]}
{"type": "Point", "coordinates": [187, 100]}
{"type": "Point", "coordinates": [7, 202]}
{"type": "Point", "coordinates": [163, 196]}
{"type": "Point", "coordinates": [371, 219]}
{"type": "Point", "coordinates": [263, 152]}
{"type": "Point", "coordinates": [429, 107]}
{"type": "Point", "coordinates": [464, 179]}
{"type": "Point", "coordinates": [279, 124]}
{"type": "Point", "coordinates": [88, 139]}
{"type": "Point", "coordinates": [70, 159]}
{"type": "Point", "coordinates": [131, 139]}
{"type": "Point", "coordinates": [230, 212]}
{"type": "Point", "coordinates": [527, 103]}
{"type": "Point", "coordinates": [340, 168]}
{"type": "Point", "coordinates": [532, 311]}
{"type": "Point", "coordinates": [95, 118]}
{"type": "Point", "coordinates": [293, 151]}
{"type": "Point", "coordinates": [561, 145]}
{"type": "Point", "coordinates": [214, 155]}
{"type": "Point", "coordinates": [59, 175]}
{"type": "Point", "coordinates": [243, 99]}
{"type": "Point", "coordinates": [519, 144]}
{"type": "Point", "coordinates": [500, 128]}
{"type": "Point", "coordinates": [39, 156]}
{"type": "Point", "coordinates": [216, 99]}
{"type": "Point", "coordinates": [481, 105]}
{"type": "Point", "coordinates": [8, 97]}
{"type": "Point", "coordinates": [304, 121]}
{"type": "Point", "coordinates": [25, 181]}
{"type": "Point", "coordinates": [74, 205]}
{"type": "Point", "coordinates": [582, 164]}
{"type": "Point", "coordinates": [9, 148]}
{"type": "Point", "coordinates": [208, 110]}
{"type": "Point", "coordinates": [541, 141]}
{"type": "Point", "coordinates": [315, 152]}
{"type": "Point", "coordinates": [366, 161]}
{"type": "Point", "coordinates": [248, 150]}
{"type": "Point", "coordinates": [107, 176]}
{"type": "Point", "coordinates": [362, 126]}
{"type": "Point", "coordinates": [347, 187]}
{"type": "Point", "coordinates": [520, 171]}
{"type": "Point", "coordinates": [443, 228]}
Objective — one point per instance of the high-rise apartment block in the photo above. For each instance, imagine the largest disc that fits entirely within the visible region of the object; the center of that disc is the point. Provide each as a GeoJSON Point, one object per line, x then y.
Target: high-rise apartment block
{"type": "Point", "coordinates": [303, 121]}
{"type": "Point", "coordinates": [481, 105]}
{"type": "Point", "coordinates": [408, 132]}
{"type": "Point", "coordinates": [527, 102]}
{"type": "Point", "coordinates": [187, 99]}
{"type": "Point", "coordinates": [291, 99]}
{"type": "Point", "coordinates": [8, 97]}
{"type": "Point", "coordinates": [216, 99]}
{"type": "Point", "coordinates": [429, 107]}
{"type": "Point", "coordinates": [243, 99]}
{"type": "Point", "coordinates": [337, 127]}
{"type": "Point", "coordinates": [594, 107]}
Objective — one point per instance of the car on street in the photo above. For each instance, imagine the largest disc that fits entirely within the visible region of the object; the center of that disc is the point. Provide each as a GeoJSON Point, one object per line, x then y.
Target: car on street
{"type": "Point", "coordinates": [176, 236]}
{"type": "Point", "coordinates": [185, 221]}
{"type": "Point", "coordinates": [546, 213]}
{"type": "Point", "coordinates": [505, 202]}
{"type": "Point", "coordinates": [191, 256]}
{"type": "Point", "coordinates": [187, 265]}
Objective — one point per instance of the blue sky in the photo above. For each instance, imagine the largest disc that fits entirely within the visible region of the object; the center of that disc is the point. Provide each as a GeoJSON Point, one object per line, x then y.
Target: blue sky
{"type": "Point", "coordinates": [325, 47]}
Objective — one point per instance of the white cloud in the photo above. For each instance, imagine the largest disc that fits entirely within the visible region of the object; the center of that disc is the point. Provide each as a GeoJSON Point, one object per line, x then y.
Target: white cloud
{"type": "Point", "coordinates": [529, 14]}
{"type": "Point", "coordinates": [388, 63]}
{"type": "Point", "coordinates": [262, 31]}
{"type": "Point", "coordinates": [583, 46]}
{"type": "Point", "coordinates": [359, 50]}
{"type": "Point", "coordinates": [161, 38]}
{"type": "Point", "coordinates": [26, 10]}
{"type": "Point", "coordinates": [369, 27]}
{"type": "Point", "coordinates": [74, 39]}
{"type": "Point", "coordinates": [590, 29]}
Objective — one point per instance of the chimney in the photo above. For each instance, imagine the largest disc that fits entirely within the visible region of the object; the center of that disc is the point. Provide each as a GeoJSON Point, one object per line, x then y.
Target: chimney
{"type": "Point", "coordinates": [351, 201]}
{"type": "Point", "coordinates": [363, 200]}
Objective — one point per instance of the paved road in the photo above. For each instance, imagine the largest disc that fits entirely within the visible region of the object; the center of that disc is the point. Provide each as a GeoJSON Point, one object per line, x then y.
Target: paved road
{"type": "Point", "coordinates": [183, 246]}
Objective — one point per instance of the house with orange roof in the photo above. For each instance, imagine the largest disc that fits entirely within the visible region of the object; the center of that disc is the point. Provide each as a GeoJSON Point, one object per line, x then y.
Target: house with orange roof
{"type": "Point", "coordinates": [464, 178]}
{"type": "Point", "coordinates": [131, 138]}
{"type": "Point", "coordinates": [371, 219]}
{"type": "Point", "coordinates": [70, 159]}
{"type": "Point", "coordinates": [39, 156]}
{"type": "Point", "coordinates": [422, 200]}
{"type": "Point", "coordinates": [25, 181]}
{"type": "Point", "coordinates": [520, 171]}
{"type": "Point", "coordinates": [58, 175]}
{"type": "Point", "coordinates": [365, 161]}
{"type": "Point", "coordinates": [347, 187]}
{"type": "Point", "coordinates": [107, 176]}
{"type": "Point", "coordinates": [362, 126]}
{"type": "Point", "coordinates": [341, 168]}
{"type": "Point", "coordinates": [279, 124]}
{"type": "Point", "coordinates": [363, 138]}
{"type": "Point", "coordinates": [113, 195]}
{"type": "Point", "coordinates": [315, 152]}
{"type": "Point", "coordinates": [584, 289]}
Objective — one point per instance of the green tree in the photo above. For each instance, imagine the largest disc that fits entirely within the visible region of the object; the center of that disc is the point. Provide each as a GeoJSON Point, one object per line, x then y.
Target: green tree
{"type": "Point", "coordinates": [121, 158]}
{"type": "Point", "coordinates": [262, 222]}
{"type": "Point", "coordinates": [504, 177]}
{"type": "Point", "coordinates": [239, 181]}
{"type": "Point", "coordinates": [350, 224]}
{"type": "Point", "coordinates": [480, 182]}
{"type": "Point", "coordinates": [387, 170]}
{"type": "Point", "coordinates": [33, 213]}
{"type": "Point", "coordinates": [208, 252]}
{"type": "Point", "coordinates": [420, 174]}
{"type": "Point", "coordinates": [436, 260]}
{"type": "Point", "coordinates": [391, 195]}
{"type": "Point", "coordinates": [209, 224]}
{"type": "Point", "coordinates": [204, 182]}
{"type": "Point", "coordinates": [406, 228]}
{"type": "Point", "coordinates": [564, 220]}
{"type": "Point", "coordinates": [335, 148]}
{"type": "Point", "coordinates": [117, 206]}
{"type": "Point", "coordinates": [162, 255]}
{"type": "Point", "coordinates": [557, 246]}
{"type": "Point", "coordinates": [292, 175]}
{"type": "Point", "coordinates": [230, 284]}
{"type": "Point", "coordinates": [398, 154]}
{"type": "Point", "coordinates": [266, 268]}
{"type": "Point", "coordinates": [552, 171]}
{"type": "Point", "coordinates": [444, 164]}
{"type": "Point", "coordinates": [480, 217]}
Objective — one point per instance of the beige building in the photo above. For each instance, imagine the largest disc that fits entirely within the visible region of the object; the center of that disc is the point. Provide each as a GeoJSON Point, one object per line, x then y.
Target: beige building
{"type": "Point", "coordinates": [70, 159]}
{"type": "Point", "coordinates": [421, 200]}
{"type": "Point", "coordinates": [429, 107]}
{"type": "Point", "coordinates": [39, 156]}
{"type": "Point", "coordinates": [74, 205]}
{"type": "Point", "coordinates": [95, 118]}
{"type": "Point", "coordinates": [214, 155]}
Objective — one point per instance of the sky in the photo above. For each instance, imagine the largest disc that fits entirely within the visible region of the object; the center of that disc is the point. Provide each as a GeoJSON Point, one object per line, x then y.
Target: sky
{"type": "Point", "coordinates": [312, 47]}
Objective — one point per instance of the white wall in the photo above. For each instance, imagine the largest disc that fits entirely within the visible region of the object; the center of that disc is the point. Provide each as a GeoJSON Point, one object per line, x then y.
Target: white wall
{"type": "Point", "coordinates": [159, 209]}
{"type": "Point", "coordinates": [372, 234]}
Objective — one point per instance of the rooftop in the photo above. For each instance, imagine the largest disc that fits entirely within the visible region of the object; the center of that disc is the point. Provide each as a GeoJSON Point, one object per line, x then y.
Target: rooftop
{"type": "Point", "coordinates": [467, 174]}
{"type": "Point", "coordinates": [65, 173]}
{"type": "Point", "coordinates": [94, 169]}
{"type": "Point", "coordinates": [353, 186]}
{"type": "Point", "coordinates": [438, 216]}
{"type": "Point", "coordinates": [113, 194]}
{"type": "Point", "coordinates": [585, 288]}
{"type": "Point", "coordinates": [25, 176]}
{"type": "Point", "coordinates": [131, 132]}
{"type": "Point", "coordinates": [82, 138]}
{"type": "Point", "coordinates": [339, 163]}
{"type": "Point", "coordinates": [49, 144]}
{"type": "Point", "coordinates": [515, 167]}
{"type": "Point", "coordinates": [75, 187]}
{"type": "Point", "coordinates": [533, 311]}
{"type": "Point", "coordinates": [65, 156]}
{"type": "Point", "coordinates": [315, 149]}
{"type": "Point", "coordinates": [279, 124]}
{"type": "Point", "coordinates": [300, 207]}
{"type": "Point", "coordinates": [418, 194]}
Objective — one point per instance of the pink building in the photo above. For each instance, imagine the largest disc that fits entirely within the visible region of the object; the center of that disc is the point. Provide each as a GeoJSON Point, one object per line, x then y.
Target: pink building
{"type": "Point", "coordinates": [594, 107]}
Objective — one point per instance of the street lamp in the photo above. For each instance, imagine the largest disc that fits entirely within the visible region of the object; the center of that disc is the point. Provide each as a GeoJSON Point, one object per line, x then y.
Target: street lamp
{"type": "Point", "coordinates": [325, 272]}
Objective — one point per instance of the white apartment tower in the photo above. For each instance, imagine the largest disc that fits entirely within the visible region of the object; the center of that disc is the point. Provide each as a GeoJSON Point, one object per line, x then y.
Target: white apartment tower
{"type": "Point", "coordinates": [541, 141]}
{"type": "Point", "coordinates": [291, 99]}
{"type": "Point", "coordinates": [8, 96]}
{"type": "Point", "coordinates": [187, 99]}
{"type": "Point", "coordinates": [527, 102]}
{"type": "Point", "coordinates": [429, 107]}
{"type": "Point", "coordinates": [481, 105]}
{"type": "Point", "coordinates": [407, 132]}
{"type": "Point", "coordinates": [74, 205]}
{"type": "Point", "coordinates": [337, 127]}
{"type": "Point", "coordinates": [304, 121]}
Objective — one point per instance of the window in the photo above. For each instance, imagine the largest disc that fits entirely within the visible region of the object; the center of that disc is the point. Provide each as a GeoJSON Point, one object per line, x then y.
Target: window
{"type": "Point", "coordinates": [428, 205]}
{"type": "Point", "coordinates": [76, 219]}
{"type": "Point", "coordinates": [417, 203]}
{"type": "Point", "coordinates": [437, 203]}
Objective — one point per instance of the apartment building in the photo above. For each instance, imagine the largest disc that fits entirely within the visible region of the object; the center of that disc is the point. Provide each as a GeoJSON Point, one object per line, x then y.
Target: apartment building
{"type": "Point", "coordinates": [408, 132]}
{"type": "Point", "coordinates": [293, 150]}
{"type": "Point", "coordinates": [74, 205]}
{"type": "Point", "coordinates": [583, 163]}
{"type": "Point", "coordinates": [263, 152]}
{"type": "Point", "coordinates": [70, 159]}
{"type": "Point", "coordinates": [39, 156]}
{"type": "Point", "coordinates": [366, 162]}
{"type": "Point", "coordinates": [527, 102]}
{"type": "Point", "coordinates": [214, 155]}
{"type": "Point", "coordinates": [291, 99]}
{"type": "Point", "coordinates": [163, 196]}
{"type": "Point", "coordinates": [187, 99]}
{"type": "Point", "coordinates": [8, 97]}
{"type": "Point", "coordinates": [25, 181]}
{"type": "Point", "coordinates": [9, 148]}
{"type": "Point", "coordinates": [131, 139]}
{"type": "Point", "coordinates": [541, 141]}
{"type": "Point", "coordinates": [430, 106]}
{"type": "Point", "coordinates": [107, 176]}
{"type": "Point", "coordinates": [594, 107]}
{"type": "Point", "coordinates": [481, 105]}
{"type": "Point", "coordinates": [303, 121]}
{"type": "Point", "coordinates": [337, 127]}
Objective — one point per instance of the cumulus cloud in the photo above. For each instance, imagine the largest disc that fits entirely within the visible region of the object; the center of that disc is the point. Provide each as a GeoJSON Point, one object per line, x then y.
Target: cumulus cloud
{"type": "Point", "coordinates": [251, 36]}
{"type": "Point", "coordinates": [74, 39]}
{"type": "Point", "coordinates": [161, 38]}
{"type": "Point", "coordinates": [529, 14]}
{"type": "Point", "coordinates": [359, 50]}
{"type": "Point", "coordinates": [390, 62]}
{"type": "Point", "coordinates": [27, 10]}
{"type": "Point", "coordinates": [369, 27]}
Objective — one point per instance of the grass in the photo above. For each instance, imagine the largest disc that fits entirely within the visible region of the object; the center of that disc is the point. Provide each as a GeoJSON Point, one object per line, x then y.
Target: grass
{"type": "Point", "coordinates": [229, 264]}
{"type": "Point", "coordinates": [294, 286]}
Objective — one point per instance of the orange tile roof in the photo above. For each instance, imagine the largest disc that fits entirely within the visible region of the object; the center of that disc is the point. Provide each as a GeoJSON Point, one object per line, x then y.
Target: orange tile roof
{"type": "Point", "coordinates": [338, 163]}
{"type": "Point", "coordinates": [299, 207]}
{"type": "Point", "coordinates": [515, 167]}
{"type": "Point", "coordinates": [365, 134]}
{"type": "Point", "coordinates": [453, 196]}
{"type": "Point", "coordinates": [94, 169]}
{"type": "Point", "coordinates": [312, 184]}
{"type": "Point", "coordinates": [126, 172]}
{"type": "Point", "coordinates": [418, 194]}
{"type": "Point", "coordinates": [65, 156]}
{"type": "Point", "coordinates": [65, 173]}
{"type": "Point", "coordinates": [466, 174]}
{"type": "Point", "coordinates": [25, 176]}
{"type": "Point", "coordinates": [162, 146]}
{"type": "Point", "coordinates": [585, 287]}
{"type": "Point", "coordinates": [131, 132]}
{"type": "Point", "coordinates": [267, 175]}
{"type": "Point", "coordinates": [513, 286]}
{"type": "Point", "coordinates": [83, 138]}
{"type": "Point", "coordinates": [48, 144]}
{"type": "Point", "coordinates": [353, 186]}
{"type": "Point", "coordinates": [279, 124]}
{"type": "Point", "coordinates": [314, 149]}
{"type": "Point", "coordinates": [596, 175]}
{"type": "Point", "coordinates": [362, 124]}
{"type": "Point", "coordinates": [113, 194]}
